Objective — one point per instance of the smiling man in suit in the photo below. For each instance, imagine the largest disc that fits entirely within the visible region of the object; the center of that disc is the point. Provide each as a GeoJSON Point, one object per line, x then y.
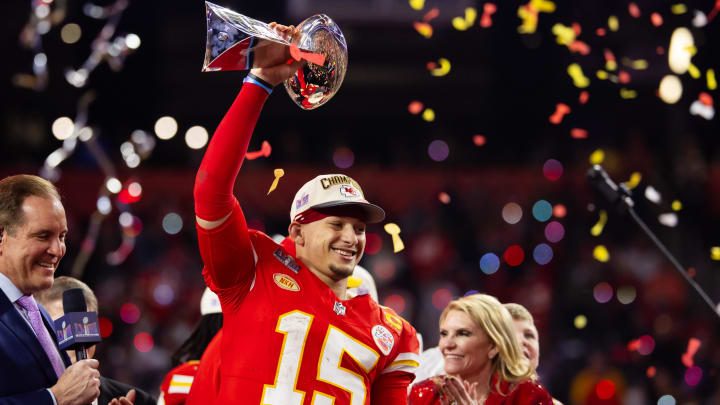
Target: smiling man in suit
{"type": "Point", "coordinates": [32, 242]}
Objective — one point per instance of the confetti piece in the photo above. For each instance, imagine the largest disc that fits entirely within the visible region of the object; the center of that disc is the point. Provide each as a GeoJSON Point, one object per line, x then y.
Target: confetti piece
{"type": "Point", "coordinates": [423, 29]}
{"type": "Point", "coordinates": [601, 74]}
{"type": "Point", "coordinates": [678, 9]}
{"type": "Point", "coordinates": [264, 151]}
{"type": "Point", "coordinates": [488, 10]}
{"type": "Point", "coordinates": [714, 11]}
{"type": "Point", "coordinates": [635, 179]}
{"type": "Point", "coordinates": [634, 10]}
{"type": "Point", "coordinates": [651, 371]}
{"type": "Point", "coordinates": [297, 54]}
{"type": "Point", "coordinates": [653, 195]}
{"type": "Point", "coordinates": [702, 110]}
{"type": "Point", "coordinates": [656, 19]}
{"type": "Point", "coordinates": [479, 140]}
{"type": "Point", "coordinates": [715, 252]}
{"type": "Point", "coordinates": [711, 82]}
{"type": "Point", "coordinates": [278, 173]}
{"type": "Point", "coordinates": [575, 71]}
{"type": "Point", "coordinates": [417, 4]}
{"type": "Point", "coordinates": [597, 229]}
{"type": "Point", "coordinates": [560, 111]}
{"type": "Point", "coordinates": [597, 157]}
{"type": "Point", "coordinates": [613, 23]}
{"type": "Point", "coordinates": [694, 71]}
{"type": "Point", "coordinates": [623, 77]}
{"type": "Point", "coordinates": [669, 219]}
{"type": "Point", "coordinates": [579, 47]}
{"type": "Point", "coordinates": [628, 94]}
{"type": "Point", "coordinates": [601, 254]}
{"type": "Point", "coordinates": [600, 32]}
{"type": "Point", "coordinates": [699, 20]}
{"type": "Point", "coordinates": [640, 64]}
{"type": "Point", "coordinates": [415, 107]}
{"type": "Point", "coordinates": [353, 282]}
{"type": "Point", "coordinates": [578, 133]}
{"type": "Point", "coordinates": [660, 50]}
{"type": "Point", "coordinates": [432, 14]}
{"type": "Point", "coordinates": [443, 69]}
{"type": "Point", "coordinates": [394, 231]}
{"type": "Point", "coordinates": [564, 35]}
{"type": "Point", "coordinates": [584, 97]}
{"type": "Point", "coordinates": [676, 205]}
{"type": "Point", "coordinates": [705, 99]}
{"type": "Point", "coordinates": [580, 321]}
{"type": "Point", "coordinates": [444, 197]}
{"type": "Point", "coordinates": [577, 28]}
{"type": "Point", "coordinates": [462, 24]}
{"type": "Point", "coordinates": [543, 6]}
{"type": "Point", "coordinates": [692, 348]}
{"type": "Point", "coordinates": [428, 115]}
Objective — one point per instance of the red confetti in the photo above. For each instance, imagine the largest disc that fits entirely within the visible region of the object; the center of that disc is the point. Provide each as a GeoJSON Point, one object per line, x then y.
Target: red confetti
{"type": "Point", "coordinates": [576, 28]}
{"type": "Point", "coordinates": [297, 54]}
{"type": "Point", "coordinates": [514, 255]}
{"type": "Point", "coordinates": [656, 19]}
{"type": "Point", "coordinates": [634, 10]}
{"type": "Point", "coordinates": [265, 150]}
{"type": "Point", "coordinates": [605, 389]}
{"type": "Point", "coordinates": [560, 110]}
{"type": "Point", "coordinates": [431, 65]}
{"type": "Point", "coordinates": [423, 29]}
{"type": "Point", "coordinates": [600, 32]}
{"type": "Point", "coordinates": [479, 140]}
{"type": "Point", "coordinates": [624, 77]}
{"type": "Point", "coordinates": [488, 10]}
{"type": "Point", "coordinates": [579, 133]}
{"type": "Point", "coordinates": [444, 197]}
{"type": "Point", "coordinates": [687, 357]}
{"type": "Point", "coordinates": [714, 11]}
{"type": "Point", "coordinates": [580, 47]}
{"type": "Point", "coordinates": [584, 96]}
{"type": "Point", "coordinates": [651, 371]}
{"type": "Point", "coordinates": [559, 211]}
{"type": "Point", "coordinates": [609, 57]}
{"type": "Point", "coordinates": [706, 99]}
{"type": "Point", "coordinates": [415, 107]}
{"type": "Point", "coordinates": [660, 50]}
{"type": "Point", "coordinates": [633, 345]}
{"type": "Point", "coordinates": [430, 15]}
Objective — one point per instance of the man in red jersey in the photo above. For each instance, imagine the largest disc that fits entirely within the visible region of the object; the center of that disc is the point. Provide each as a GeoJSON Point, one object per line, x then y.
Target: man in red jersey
{"type": "Point", "coordinates": [290, 336]}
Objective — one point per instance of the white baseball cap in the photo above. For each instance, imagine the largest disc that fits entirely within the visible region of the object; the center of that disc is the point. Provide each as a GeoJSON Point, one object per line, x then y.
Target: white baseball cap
{"type": "Point", "coordinates": [209, 303]}
{"type": "Point", "coordinates": [333, 190]}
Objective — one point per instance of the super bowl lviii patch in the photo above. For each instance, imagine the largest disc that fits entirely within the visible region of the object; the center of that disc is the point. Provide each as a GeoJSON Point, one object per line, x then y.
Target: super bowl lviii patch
{"type": "Point", "coordinates": [286, 282]}
{"type": "Point", "coordinates": [383, 339]}
{"type": "Point", "coordinates": [286, 259]}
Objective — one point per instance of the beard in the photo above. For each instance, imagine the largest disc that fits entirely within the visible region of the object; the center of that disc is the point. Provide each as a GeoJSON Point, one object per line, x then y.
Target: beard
{"type": "Point", "coordinates": [342, 271]}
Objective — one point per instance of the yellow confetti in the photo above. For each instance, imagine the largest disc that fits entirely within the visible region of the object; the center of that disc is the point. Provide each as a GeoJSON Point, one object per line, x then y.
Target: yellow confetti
{"type": "Point", "coordinates": [597, 157]}
{"type": "Point", "coordinates": [354, 282]}
{"type": "Point", "coordinates": [676, 205]}
{"type": "Point", "coordinates": [597, 229]}
{"type": "Point", "coordinates": [601, 74]}
{"type": "Point", "coordinates": [715, 252]}
{"type": "Point", "coordinates": [627, 94]}
{"type": "Point", "coordinates": [394, 231]}
{"type": "Point", "coordinates": [428, 115]}
{"type": "Point", "coordinates": [278, 173]}
{"type": "Point", "coordinates": [417, 4]}
{"type": "Point", "coordinates": [640, 64]}
{"type": "Point", "coordinates": [611, 65]}
{"type": "Point", "coordinates": [711, 82]}
{"type": "Point", "coordinates": [580, 321]}
{"type": "Point", "coordinates": [694, 71]}
{"type": "Point", "coordinates": [443, 69]}
{"type": "Point", "coordinates": [423, 29]}
{"type": "Point", "coordinates": [543, 6]}
{"type": "Point", "coordinates": [601, 254]}
{"type": "Point", "coordinates": [678, 9]}
{"type": "Point", "coordinates": [635, 179]}
{"type": "Point", "coordinates": [564, 35]}
{"type": "Point", "coordinates": [575, 71]}
{"type": "Point", "coordinates": [461, 24]}
{"type": "Point", "coordinates": [530, 19]}
{"type": "Point", "coordinates": [613, 23]}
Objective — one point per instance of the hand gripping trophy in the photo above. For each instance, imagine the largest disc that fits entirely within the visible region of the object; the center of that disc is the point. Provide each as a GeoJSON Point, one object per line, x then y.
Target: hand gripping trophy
{"type": "Point", "coordinates": [235, 42]}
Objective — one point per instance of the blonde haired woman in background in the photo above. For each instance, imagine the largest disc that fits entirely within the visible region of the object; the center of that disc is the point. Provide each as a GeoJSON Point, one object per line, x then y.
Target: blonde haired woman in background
{"type": "Point", "coordinates": [484, 362]}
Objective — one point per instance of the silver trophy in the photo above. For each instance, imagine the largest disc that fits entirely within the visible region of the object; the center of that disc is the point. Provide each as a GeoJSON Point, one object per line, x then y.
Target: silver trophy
{"type": "Point", "coordinates": [232, 41]}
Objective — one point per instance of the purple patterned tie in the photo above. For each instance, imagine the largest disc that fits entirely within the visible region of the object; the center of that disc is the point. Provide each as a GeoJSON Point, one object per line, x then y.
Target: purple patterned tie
{"type": "Point", "coordinates": [28, 302]}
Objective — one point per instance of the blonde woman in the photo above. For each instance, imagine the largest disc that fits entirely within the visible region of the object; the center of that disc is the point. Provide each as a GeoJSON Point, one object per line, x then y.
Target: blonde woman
{"type": "Point", "coordinates": [483, 359]}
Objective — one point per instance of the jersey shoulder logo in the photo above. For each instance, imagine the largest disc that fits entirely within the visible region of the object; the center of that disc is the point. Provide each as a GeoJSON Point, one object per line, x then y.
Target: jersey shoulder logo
{"type": "Point", "coordinates": [286, 282]}
{"type": "Point", "coordinates": [392, 320]}
{"type": "Point", "coordinates": [383, 339]}
{"type": "Point", "coordinates": [286, 259]}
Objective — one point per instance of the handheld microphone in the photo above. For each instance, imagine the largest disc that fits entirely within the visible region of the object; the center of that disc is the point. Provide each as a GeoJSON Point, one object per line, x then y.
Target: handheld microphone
{"type": "Point", "coordinates": [78, 329]}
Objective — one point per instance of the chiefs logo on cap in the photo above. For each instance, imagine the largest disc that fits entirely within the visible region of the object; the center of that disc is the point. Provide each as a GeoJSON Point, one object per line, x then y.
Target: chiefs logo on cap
{"type": "Point", "coordinates": [349, 191]}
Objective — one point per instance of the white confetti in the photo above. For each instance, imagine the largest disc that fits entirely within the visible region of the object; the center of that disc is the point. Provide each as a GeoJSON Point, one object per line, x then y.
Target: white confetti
{"type": "Point", "coordinates": [668, 219]}
{"type": "Point", "coordinates": [705, 111]}
{"type": "Point", "coordinates": [652, 195]}
{"type": "Point", "coordinates": [700, 20]}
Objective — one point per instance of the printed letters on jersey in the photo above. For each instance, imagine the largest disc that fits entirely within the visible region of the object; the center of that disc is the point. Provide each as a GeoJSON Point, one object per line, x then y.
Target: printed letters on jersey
{"type": "Point", "coordinates": [383, 339]}
{"type": "Point", "coordinates": [286, 282]}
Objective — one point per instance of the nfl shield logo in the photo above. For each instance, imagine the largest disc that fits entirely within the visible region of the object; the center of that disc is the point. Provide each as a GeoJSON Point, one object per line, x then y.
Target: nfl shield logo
{"type": "Point", "coordinates": [339, 308]}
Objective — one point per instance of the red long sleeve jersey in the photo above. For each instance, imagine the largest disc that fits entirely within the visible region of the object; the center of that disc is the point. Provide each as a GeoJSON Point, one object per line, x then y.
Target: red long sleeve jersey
{"type": "Point", "coordinates": [289, 340]}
